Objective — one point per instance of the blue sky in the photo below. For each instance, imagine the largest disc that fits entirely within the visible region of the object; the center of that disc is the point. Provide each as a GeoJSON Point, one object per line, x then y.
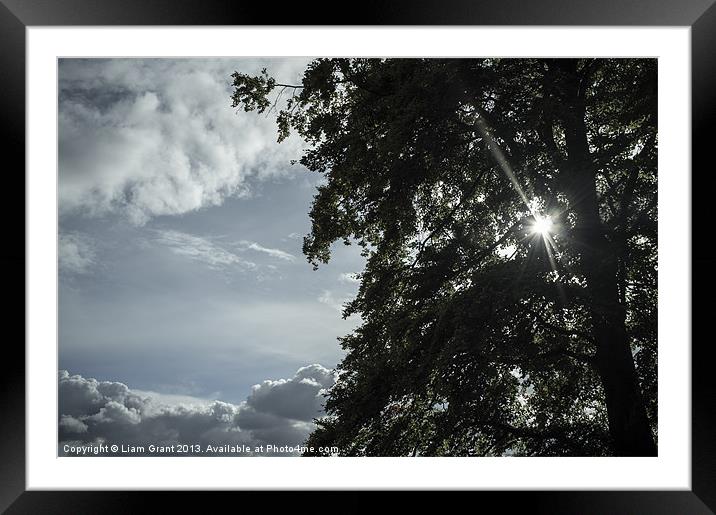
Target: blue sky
{"type": "Point", "coordinates": [181, 225]}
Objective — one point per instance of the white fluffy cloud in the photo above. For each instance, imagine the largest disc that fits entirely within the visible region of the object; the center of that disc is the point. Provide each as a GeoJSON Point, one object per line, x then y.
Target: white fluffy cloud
{"type": "Point", "coordinates": [149, 137]}
{"type": "Point", "coordinates": [277, 412]}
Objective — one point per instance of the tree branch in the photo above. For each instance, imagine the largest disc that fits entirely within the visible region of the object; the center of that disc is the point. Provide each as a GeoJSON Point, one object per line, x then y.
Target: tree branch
{"type": "Point", "coordinates": [557, 329]}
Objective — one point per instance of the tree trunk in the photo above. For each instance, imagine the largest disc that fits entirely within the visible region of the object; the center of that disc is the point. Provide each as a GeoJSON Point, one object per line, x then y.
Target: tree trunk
{"type": "Point", "coordinates": [628, 422]}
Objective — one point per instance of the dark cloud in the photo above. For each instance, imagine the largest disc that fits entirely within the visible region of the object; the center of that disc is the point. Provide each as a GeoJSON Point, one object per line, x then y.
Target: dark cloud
{"type": "Point", "coordinates": [294, 398]}
{"type": "Point", "coordinates": [278, 413]}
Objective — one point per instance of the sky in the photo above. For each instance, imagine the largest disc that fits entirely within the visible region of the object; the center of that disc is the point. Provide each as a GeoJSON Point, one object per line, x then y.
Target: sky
{"type": "Point", "coordinates": [187, 311]}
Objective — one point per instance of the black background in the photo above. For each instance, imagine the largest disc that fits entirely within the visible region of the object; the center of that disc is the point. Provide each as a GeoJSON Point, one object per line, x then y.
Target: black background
{"type": "Point", "coordinates": [16, 15]}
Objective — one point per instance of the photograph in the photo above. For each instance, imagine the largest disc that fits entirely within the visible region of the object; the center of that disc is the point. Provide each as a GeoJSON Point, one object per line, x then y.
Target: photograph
{"type": "Point", "coordinates": [357, 257]}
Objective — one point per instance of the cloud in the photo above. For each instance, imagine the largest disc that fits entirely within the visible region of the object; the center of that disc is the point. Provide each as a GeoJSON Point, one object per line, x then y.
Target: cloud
{"type": "Point", "coordinates": [277, 253]}
{"type": "Point", "coordinates": [75, 253]}
{"type": "Point", "coordinates": [277, 412]}
{"type": "Point", "coordinates": [149, 137]}
{"type": "Point", "coordinates": [293, 398]}
{"type": "Point", "coordinates": [328, 298]}
{"type": "Point", "coordinates": [201, 250]}
{"type": "Point", "coordinates": [350, 278]}
{"type": "Point", "coordinates": [215, 255]}
{"type": "Point", "coordinates": [71, 425]}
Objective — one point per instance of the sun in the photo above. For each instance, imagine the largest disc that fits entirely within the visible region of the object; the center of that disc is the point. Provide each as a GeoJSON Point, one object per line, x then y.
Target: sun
{"type": "Point", "coordinates": [542, 225]}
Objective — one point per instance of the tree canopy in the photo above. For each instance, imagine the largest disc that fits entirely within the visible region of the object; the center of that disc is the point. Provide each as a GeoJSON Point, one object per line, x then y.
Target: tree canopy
{"type": "Point", "coordinates": [507, 212]}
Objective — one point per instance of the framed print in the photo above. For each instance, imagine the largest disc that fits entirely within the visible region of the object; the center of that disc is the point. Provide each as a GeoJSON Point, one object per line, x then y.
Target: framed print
{"type": "Point", "coordinates": [366, 257]}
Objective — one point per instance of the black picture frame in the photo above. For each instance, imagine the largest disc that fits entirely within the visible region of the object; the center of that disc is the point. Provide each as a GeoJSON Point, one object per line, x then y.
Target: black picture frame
{"type": "Point", "coordinates": [17, 15]}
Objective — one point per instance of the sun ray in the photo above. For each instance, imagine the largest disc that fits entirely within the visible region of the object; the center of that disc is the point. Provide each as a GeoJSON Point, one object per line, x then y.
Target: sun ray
{"type": "Point", "coordinates": [542, 226]}
{"type": "Point", "coordinates": [501, 160]}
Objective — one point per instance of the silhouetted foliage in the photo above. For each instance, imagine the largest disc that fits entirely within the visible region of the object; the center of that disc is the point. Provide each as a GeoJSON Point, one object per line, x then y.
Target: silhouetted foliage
{"type": "Point", "coordinates": [478, 336]}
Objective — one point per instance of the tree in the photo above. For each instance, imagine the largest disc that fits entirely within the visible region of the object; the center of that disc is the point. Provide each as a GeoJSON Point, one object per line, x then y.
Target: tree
{"type": "Point", "coordinates": [507, 212]}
